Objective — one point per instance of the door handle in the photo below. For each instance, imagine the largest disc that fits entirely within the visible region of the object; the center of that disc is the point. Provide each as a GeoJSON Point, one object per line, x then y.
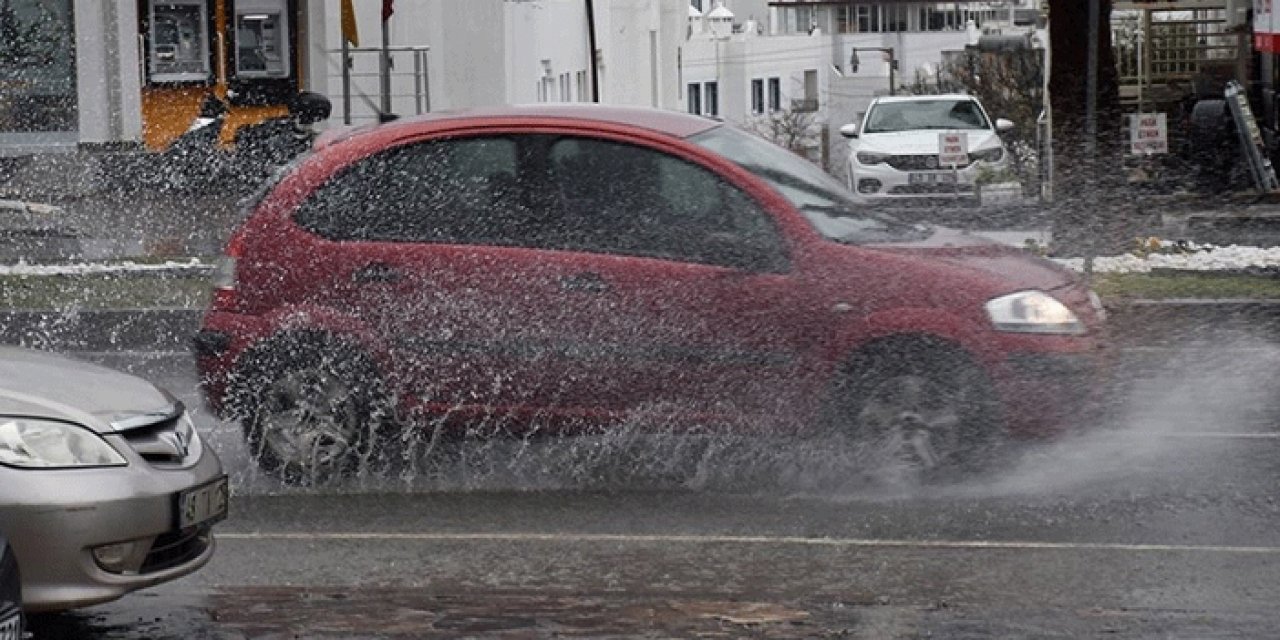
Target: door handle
{"type": "Point", "coordinates": [377, 273]}
{"type": "Point", "coordinates": [588, 282]}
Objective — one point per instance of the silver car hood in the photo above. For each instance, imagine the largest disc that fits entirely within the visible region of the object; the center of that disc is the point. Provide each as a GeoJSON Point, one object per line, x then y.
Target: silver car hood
{"type": "Point", "coordinates": [921, 142]}
{"type": "Point", "coordinates": [40, 384]}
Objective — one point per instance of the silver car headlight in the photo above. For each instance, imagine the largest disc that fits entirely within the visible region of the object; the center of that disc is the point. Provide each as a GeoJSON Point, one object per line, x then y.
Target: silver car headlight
{"type": "Point", "coordinates": [1033, 312]}
{"type": "Point", "coordinates": [988, 155]}
{"type": "Point", "coordinates": [35, 443]}
{"type": "Point", "coordinates": [868, 157]}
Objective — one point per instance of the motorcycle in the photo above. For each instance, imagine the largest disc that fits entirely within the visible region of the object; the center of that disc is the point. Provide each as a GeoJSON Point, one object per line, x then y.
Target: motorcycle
{"type": "Point", "coordinates": [197, 162]}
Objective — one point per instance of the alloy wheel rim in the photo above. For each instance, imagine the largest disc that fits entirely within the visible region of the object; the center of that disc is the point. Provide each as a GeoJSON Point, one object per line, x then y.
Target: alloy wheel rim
{"type": "Point", "coordinates": [914, 420]}
{"type": "Point", "coordinates": [310, 422]}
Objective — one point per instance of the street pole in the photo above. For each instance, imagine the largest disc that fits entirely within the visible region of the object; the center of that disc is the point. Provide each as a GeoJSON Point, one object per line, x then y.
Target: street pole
{"type": "Point", "coordinates": [385, 68]}
{"type": "Point", "coordinates": [1091, 83]}
{"type": "Point", "coordinates": [346, 81]}
{"type": "Point", "coordinates": [591, 46]}
{"type": "Point", "coordinates": [893, 66]}
{"type": "Point", "coordinates": [1091, 125]}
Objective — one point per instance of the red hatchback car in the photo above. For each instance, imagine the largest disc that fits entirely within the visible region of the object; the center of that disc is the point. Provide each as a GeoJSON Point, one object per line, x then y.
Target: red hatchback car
{"type": "Point", "coordinates": [565, 267]}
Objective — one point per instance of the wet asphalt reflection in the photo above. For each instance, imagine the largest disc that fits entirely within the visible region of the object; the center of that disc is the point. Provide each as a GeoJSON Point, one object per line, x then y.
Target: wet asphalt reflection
{"type": "Point", "coordinates": [1161, 523]}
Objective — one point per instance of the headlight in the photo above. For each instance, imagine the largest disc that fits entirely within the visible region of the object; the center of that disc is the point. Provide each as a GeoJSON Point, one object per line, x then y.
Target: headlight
{"type": "Point", "coordinates": [1033, 312]}
{"type": "Point", "coordinates": [988, 155]}
{"type": "Point", "coordinates": [34, 443]}
{"type": "Point", "coordinates": [867, 157]}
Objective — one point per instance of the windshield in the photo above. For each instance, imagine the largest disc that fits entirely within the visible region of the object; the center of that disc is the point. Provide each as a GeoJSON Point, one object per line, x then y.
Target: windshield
{"type": "Point", "coordinates": [886, 117]}
{"type": "Point", "coordinates": [823, 200]}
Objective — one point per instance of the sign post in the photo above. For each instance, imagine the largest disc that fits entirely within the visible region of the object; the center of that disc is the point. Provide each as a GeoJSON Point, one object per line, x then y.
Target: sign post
{"type": "Point", "coordinates": [953, 151]}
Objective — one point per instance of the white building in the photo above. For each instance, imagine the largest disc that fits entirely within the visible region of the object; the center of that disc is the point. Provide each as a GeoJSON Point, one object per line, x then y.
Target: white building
{"type": "Point", "coordinates": [106, 74]}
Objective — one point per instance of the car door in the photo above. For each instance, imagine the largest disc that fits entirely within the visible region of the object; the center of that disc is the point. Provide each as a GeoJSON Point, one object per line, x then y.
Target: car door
{"type": "Point", "coordinates": [703, 316]}
{"type": "Point", "coordinates": [435, 245]}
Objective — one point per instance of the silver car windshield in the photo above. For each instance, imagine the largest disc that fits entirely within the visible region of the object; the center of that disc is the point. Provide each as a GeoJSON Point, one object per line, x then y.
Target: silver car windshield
{"type": "Point", "coordinates": [963, 114]}
{"type": "Point", "coordinates": [823, 200]}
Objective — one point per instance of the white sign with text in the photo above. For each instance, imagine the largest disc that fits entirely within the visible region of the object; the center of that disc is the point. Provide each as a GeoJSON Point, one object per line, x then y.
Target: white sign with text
{"type": "Point", "coordinates": [1148, 133]}
{"type": "Point", "coordinates": [953, 149]}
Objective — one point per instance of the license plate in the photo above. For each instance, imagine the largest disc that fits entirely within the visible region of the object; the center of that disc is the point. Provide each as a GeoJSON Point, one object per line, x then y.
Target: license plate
{"type": "Point", "coordinates": [931, 178]}
{"type": "Point", "coordinates": [205, 503]}
{"type": "Point", "coordinates": [11, 628]}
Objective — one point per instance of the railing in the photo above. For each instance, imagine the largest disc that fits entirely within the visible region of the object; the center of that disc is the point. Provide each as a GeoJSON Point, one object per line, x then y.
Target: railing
{"type": "Point", "coordinates": [1159, 51]}
{"type": "Point", "coordinates": [409, 87]}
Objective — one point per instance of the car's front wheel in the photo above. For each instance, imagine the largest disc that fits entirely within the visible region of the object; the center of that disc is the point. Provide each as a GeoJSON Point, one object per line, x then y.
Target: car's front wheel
{"type": "Point", "coordinates": [920, 407]}
{"type": "Point", "coordinates": [313, 411]}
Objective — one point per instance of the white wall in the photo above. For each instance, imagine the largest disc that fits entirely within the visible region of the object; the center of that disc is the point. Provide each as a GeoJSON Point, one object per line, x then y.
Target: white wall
{"type": "Point", "coordinates": [492, 52]}
{"type": "Point", "coordinates": [109, 98]}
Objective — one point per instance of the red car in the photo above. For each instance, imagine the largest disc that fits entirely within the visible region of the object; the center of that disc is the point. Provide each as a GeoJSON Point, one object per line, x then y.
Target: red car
{"type": "Point", "coordinates": [565, 267]}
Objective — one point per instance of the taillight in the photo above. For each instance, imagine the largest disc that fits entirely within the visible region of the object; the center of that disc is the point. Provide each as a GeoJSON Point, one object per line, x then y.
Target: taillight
{"type": "Point", "coordinates": [224, 273]}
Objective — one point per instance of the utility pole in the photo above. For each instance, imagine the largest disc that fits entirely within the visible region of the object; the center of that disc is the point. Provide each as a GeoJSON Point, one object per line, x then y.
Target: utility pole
{"type": "Point", "coordinates": [591, 46]}
{"type": "Point", "coordinates": [385, 66]}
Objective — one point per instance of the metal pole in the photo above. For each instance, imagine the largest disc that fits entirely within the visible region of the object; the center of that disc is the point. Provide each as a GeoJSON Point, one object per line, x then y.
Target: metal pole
{"type": "Point", "coordinates": [1091, 83]}
{"type": "Point", "coordinates": [426, 80]}
{"type": "Point", "coordinates": [385, 68]}
{"type": "Point", "coordinates": [893, 64]}
{"type": "Point", "coordinates": [591, 44]}
{"type": "Point", "coordinates": [417, 80]}
{"type": "Point", "coordinates": [346, 81]}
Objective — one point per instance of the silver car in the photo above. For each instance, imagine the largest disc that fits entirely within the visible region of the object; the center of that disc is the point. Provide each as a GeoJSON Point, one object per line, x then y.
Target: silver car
{"type": "Point", "coordinates": [105, 486]}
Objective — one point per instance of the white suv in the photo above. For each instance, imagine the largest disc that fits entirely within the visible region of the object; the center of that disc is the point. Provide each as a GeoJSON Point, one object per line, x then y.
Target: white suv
{"type": "Point", "coordinates": [894, 151]}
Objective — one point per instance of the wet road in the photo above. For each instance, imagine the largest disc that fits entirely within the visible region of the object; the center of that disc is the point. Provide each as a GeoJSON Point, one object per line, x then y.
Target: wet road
{"type": "Point", "coordinates": [1164, 525]}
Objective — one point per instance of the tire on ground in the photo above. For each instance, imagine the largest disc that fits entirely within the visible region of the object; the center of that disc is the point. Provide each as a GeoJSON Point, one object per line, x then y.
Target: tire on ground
{"type": "Point", "coordinates": [313, 409]}
{"type": "Point", "coordinates": [921, 402]}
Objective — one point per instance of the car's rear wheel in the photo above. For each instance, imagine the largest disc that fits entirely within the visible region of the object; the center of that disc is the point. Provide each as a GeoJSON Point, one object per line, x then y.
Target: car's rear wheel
{"type": "Point", "coordinates": [313, 411]}
{"type": "Point", "coordinates": [921, 407]}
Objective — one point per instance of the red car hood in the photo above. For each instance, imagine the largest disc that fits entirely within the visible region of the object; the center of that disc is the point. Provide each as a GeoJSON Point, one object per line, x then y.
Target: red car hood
{"type": "Point", "coordinates": [974, 252]}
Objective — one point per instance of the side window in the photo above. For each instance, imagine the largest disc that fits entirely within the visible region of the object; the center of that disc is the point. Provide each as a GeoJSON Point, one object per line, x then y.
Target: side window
{"type": "Point", "coordinates": [447, 191]}
{"type": "Point", "coordinates": [618, 198]}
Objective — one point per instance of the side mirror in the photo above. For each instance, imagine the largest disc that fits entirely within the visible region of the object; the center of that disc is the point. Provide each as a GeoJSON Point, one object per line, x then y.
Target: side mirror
{"type": "Point", "coordinates": [851, 130]}
{"type": "Point", "coordinates": [1003, 125]}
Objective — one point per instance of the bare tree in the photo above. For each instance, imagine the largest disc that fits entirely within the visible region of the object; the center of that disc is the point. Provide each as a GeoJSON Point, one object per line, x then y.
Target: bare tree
{"type": "Point", "coordinates": [797, 131]}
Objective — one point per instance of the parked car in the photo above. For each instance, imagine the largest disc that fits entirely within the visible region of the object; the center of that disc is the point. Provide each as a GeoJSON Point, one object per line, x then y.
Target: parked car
{"type": "Point", "coordinates": [563, 267]}
{"type": "Point", "coordinates": [11, 620]}
{"type": "Point", "coordinates": [105, 485]}
{"type": "Point", "coordinates": [894, 151]}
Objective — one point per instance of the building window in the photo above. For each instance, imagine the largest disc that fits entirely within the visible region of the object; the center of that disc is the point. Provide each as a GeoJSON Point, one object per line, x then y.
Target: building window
{"type": "Point", "coordinates": [695, 98]}
{"type": "Point", "coordinates": [37, 67]}
{"type": "Point", "coordinates": [565, 88]}
{"type": "Point", "coordinates": [868, 19]}
{"type": "Point", "coordinates": [711, 94]}
{"type": "Point", "coordinates": [179, 41]}
{"type": "Point", "coordinates": [775, 94]}
{"type": "Point", "coordinates": [896, 17]}
{"type": "Point", "coordinates": [844, 20]}
{"type": "Point", "coordinates": [584, 92]}
{"type": "Point", "coordinates": [757, 96]}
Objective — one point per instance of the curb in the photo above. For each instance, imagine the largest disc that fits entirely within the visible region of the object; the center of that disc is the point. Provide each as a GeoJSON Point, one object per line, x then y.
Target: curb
{"type": "Point", "coordinates": [1164, 323]}
{"type": "Point", "coordinates": [101, 330]}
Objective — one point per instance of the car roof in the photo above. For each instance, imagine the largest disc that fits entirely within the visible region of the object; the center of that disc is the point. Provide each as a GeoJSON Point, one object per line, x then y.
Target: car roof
{"type": "Point", "coordinates": [924, 98]}
{"type": "Point", "coordinates": [673, 123]}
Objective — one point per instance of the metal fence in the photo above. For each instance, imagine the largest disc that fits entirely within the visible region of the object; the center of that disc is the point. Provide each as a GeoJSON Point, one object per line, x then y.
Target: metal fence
{"type": "Point", "coordinates": [361, 69]}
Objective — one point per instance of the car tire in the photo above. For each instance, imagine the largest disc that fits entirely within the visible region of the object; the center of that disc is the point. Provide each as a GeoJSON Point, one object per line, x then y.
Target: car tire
{"type": "Point", "coordinates": [918, 406]}
{"type": "Point", "coordinates": [313, 410]}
